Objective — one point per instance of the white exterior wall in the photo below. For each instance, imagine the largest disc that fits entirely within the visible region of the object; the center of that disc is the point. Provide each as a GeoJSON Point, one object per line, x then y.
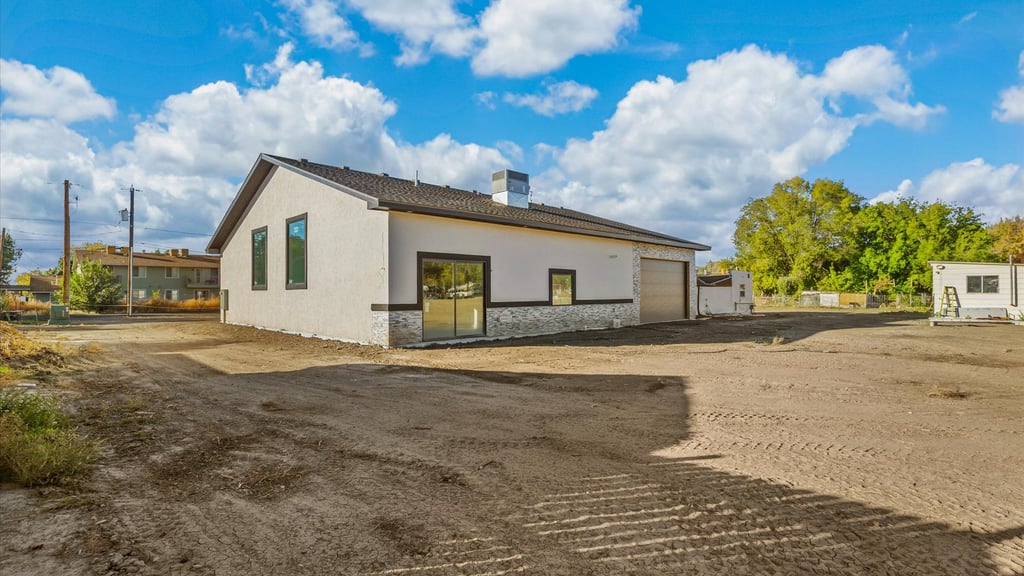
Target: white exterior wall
{"type": "Point", "coordinates": [346, 261]}
{"type": "Point", "coordinates": [716, 300]}
{"type": "Point", "coordinates": [955, 274]}
{"type": "Point", "coordinates": [727, 299]}
{"type": "Point", "coordinates": [520, 258]}
{"type": "Point", "coordinates": [744, 303]}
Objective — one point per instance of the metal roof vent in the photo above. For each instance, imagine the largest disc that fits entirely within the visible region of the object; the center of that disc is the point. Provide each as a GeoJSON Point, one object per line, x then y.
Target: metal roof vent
{"type": "Point", "coordinates": [511, 188]}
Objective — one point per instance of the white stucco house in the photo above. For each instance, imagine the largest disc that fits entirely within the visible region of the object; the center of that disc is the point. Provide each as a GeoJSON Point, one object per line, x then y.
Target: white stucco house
{"type": "Point", "coordinates": [349, 255]}
{"type": "Point", "coordinates": [721, 294]}
{"type": "Point", "coordinates": [984, 290]}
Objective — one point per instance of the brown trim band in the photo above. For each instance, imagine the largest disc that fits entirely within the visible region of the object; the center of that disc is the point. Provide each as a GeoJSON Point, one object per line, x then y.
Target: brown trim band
{"type": "Point", "coordinates": [527, 303]}
{"type": "Point", "coordinates": [521, 304]}
{"type": "Point", "coordinates": [395, 307]}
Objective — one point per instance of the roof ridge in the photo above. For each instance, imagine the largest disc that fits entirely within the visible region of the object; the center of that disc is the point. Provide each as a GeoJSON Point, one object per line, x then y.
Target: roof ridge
{"type": "Point", "coordinates": [383, 191]}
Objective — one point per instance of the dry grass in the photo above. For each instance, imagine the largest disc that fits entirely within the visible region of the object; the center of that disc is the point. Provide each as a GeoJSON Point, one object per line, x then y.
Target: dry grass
{"type": "Point", "coordinates": [161, 305]}
{"type": "Point", "coordinates": [14, 344]}
{"type": "Point", "coordinates": [38, 444]}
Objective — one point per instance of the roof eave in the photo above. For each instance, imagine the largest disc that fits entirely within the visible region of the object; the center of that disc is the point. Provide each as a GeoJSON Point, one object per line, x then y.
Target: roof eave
{"type": "Point", "coordinates": [461, 215]}
{"type": "Point", "coordinates": [251, 185]}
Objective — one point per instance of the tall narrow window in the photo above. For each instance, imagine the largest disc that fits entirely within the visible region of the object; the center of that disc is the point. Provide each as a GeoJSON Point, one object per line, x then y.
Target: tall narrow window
{"type": "Point", "coordinates": [296, 256]}
{"type": "Point", "coordinates": [259, 258]}
{"type": "Point", "coordinates": [562, 287]}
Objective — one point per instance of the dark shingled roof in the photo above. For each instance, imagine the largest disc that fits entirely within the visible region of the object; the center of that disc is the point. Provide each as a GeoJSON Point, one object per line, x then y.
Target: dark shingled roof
{"type": "Point", "coordinates": [398, 194]}
{"type": "Point", "coordinates": [150, 259]}
{"type": "Point", "coordinates": [719, 280]}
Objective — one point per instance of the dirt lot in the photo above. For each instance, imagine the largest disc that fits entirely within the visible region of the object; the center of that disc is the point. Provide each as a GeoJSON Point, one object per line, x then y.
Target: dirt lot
{"type": "Point", "coordinates": [789, 443]}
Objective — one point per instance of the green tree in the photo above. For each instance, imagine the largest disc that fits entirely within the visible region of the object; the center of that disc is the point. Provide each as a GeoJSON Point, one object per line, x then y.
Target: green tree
{"type": "Point", "coordinates": [93, 287]}
{"type": "Point", "coordinates": [11, 254]}
{"type": "Point", "coordinates": [896, 240]}
{"type": "Point", "coordinates": [1008, 238]}
{"type": "Point", "coordinates": [793, 238]}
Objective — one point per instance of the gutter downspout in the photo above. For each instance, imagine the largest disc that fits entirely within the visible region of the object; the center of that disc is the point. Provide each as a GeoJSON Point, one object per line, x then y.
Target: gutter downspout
{"type": "Point", "coordinates": [1014, 284]}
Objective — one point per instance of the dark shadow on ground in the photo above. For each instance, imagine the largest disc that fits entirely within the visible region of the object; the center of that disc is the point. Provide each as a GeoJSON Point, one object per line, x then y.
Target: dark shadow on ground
{"type": "Point", "coordinates": [762, 327]}
{"type": "Point", "coordinates": [555, 468]}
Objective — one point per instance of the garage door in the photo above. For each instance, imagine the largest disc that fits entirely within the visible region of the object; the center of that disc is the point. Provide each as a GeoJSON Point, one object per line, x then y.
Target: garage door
{"type": "Point", "coordinates": [663, 294]}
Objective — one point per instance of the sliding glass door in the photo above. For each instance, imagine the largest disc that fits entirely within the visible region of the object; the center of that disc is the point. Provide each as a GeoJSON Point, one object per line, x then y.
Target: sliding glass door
{"type": "Point", "coordinates": [453, 298]}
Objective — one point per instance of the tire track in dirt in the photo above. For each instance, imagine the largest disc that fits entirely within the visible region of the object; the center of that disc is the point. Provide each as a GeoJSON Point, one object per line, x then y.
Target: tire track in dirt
{"type": "Point", "coordinates": [715, 417]}
{"type": "Point", "coordinates": [673, 516]}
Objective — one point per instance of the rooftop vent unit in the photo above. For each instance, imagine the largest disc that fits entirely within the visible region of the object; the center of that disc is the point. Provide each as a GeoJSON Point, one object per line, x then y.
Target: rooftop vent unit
{"type": "Point", "coordinates": [511, 188]}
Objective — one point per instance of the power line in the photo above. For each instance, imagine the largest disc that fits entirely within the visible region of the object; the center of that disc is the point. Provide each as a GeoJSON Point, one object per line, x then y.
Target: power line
{"type": "Point", "coordinates": [177, 231]}
{"type": "Point", "coordinates": [108, 224]}
{"type": "Point", "coordinates": [56, 221]}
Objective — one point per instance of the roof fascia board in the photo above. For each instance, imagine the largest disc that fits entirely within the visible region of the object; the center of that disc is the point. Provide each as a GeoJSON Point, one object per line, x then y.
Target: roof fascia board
{"type": "Point", "coordinates": [249, 204]}
{"type": "Point", "coordinates": [261, 170]}
{"type": "Point", "coordinates": [371, 202]}
{"type": "Point", "coordinates": [430, 211]}
{"type": "Point", "coordinates": [232, 217]}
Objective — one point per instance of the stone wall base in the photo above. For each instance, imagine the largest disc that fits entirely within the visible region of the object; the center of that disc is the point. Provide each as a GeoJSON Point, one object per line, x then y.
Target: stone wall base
{"type": "Point", "coordinates": [531, 320]}
{"type": "Point", "coordinates": [397, 328]}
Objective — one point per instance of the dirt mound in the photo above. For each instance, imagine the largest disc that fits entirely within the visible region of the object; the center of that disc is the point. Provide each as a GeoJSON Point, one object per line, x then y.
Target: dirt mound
{"type": "Point", "coordinates": [20, 351]}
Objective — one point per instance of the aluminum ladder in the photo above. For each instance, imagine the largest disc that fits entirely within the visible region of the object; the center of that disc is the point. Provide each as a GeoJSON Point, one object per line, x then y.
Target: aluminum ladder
{"type": "Point", "coordinates": [950, 302]}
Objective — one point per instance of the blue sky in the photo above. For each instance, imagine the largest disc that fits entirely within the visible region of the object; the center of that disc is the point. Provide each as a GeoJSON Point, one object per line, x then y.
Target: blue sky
{"type": "Point", "coordinates": [668, 115]}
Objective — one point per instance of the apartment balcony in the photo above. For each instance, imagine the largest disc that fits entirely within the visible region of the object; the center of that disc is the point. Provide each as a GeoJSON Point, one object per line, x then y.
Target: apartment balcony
{"type": "Point", "coordinates": [207, 283]}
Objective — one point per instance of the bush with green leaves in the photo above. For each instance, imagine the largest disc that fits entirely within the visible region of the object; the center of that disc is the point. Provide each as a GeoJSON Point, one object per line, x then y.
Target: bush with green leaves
{"type": "Point", "coordinates": [38, 443]}
{"type": "Point", "coordinates": [93, 287]}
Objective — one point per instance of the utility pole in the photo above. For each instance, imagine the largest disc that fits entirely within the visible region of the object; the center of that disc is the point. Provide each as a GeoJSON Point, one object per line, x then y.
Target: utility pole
{"type": "Point", "coordinates": [67, 243]}
{"type": "Point", "coordinates": [131, 247]}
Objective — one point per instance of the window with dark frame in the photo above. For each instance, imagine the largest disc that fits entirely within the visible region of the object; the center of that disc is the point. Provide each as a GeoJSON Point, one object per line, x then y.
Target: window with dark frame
{"type": "Point", "coordinates": [561, 287]}
{"type": "Point", "coordinates": [259, 258]}
{"type": "Point", "coordinates": [983, 284]}
{"type": "Point", "coordinates": [296, 255]}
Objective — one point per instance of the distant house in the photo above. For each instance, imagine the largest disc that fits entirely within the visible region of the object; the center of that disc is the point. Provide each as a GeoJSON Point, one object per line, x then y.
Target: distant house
{"type": "Point", "coordinates": [338, 253]}
{"type": "Point", "coordinates": [176, 275]}
{"type": "Point", "coordinates": [40, 288]}
{"type": "Point", "coordinates": [730, 293]}
{"type": "Point", "coordinates": [984, 289]}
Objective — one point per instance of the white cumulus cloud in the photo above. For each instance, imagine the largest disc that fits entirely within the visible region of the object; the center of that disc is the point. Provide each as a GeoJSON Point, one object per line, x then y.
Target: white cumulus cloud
{"type": "Point", "coordinates": [513, 38]}
{"type": "Point", "coordinates": [993, 191]}
{"type": "Point", "coordinates": [1010, 107]}
{"type": "Point", "coordinates": [560, 98]}
{"type": "Point", "coordinates": [58, 93]}
{"type": "Point", "coordinates": [684, 156]}
{"type": "Point", "coordinates": [525, 37]}
{"type": "Point", "coordinates": [424, 27]}
{"type": "Point", "coordinates": [322, 22]}
{"type": "Point", "coordinates": [189, 156]}
{"type": "Point", "coordinates": [872, 74]}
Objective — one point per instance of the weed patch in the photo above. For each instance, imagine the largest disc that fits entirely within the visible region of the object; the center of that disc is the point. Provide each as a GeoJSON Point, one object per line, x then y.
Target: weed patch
{"type": "Point", "coordinates": [38, 444]}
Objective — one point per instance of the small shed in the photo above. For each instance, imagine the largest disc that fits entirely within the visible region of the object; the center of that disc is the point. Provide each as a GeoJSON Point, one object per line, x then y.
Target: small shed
{"type": "Point", "coordinates": [977, 290]}
{"type": "Point", "coordinates": [730, 293]}
{"type": "Point", "coordinates": [815, 298]}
